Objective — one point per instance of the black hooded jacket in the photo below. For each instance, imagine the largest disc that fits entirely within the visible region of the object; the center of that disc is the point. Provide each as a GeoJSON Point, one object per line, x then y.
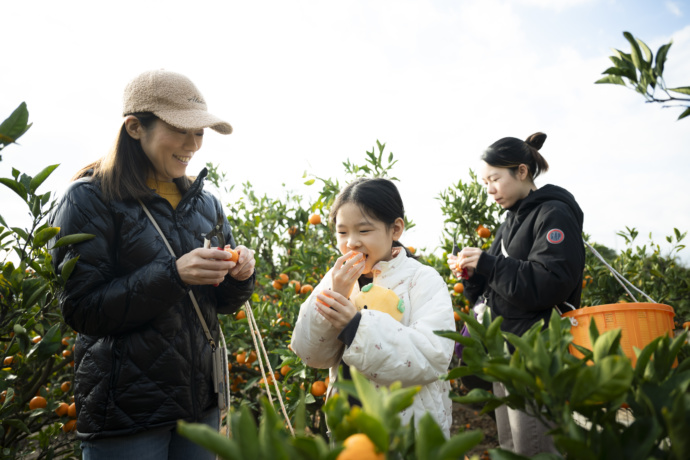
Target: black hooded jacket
{"type": "Point", "coordinates": [542, 235]}
{"type": "Point", "coordinates": [142, 360]}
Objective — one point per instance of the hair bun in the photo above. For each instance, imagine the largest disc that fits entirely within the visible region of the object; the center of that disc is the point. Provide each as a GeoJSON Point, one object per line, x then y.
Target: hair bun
{"type": "Point", "coordinates": [536, 140]}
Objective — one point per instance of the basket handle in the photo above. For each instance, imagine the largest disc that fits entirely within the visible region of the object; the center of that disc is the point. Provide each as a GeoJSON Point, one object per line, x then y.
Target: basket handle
{"type": "Point", "coordinates": [620, 278]}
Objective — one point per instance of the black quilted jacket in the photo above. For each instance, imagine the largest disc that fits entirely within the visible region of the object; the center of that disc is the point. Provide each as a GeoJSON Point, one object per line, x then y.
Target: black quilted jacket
{"type": "Point", "coordinates": [142, 360]}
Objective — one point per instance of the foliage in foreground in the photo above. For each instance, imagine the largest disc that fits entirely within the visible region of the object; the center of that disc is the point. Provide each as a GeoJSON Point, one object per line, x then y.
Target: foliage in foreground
{"type": "Point", "coordinates": [378, 418]}
{"type": "Point", "coordinates": [586, 400]}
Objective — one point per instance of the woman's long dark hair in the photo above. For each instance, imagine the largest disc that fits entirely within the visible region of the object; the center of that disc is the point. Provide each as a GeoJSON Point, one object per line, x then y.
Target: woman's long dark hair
{"type": "Point", "coordinates": [123, 171]}
{"type": "Point", "coordinates": [511, 152]}
{"type": "Point", "coordinates": [378, 198]}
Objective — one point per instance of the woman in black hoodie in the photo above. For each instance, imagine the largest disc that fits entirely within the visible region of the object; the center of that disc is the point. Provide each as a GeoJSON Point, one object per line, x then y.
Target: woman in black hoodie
{"type": "Point", "coordinates": [534, 265]}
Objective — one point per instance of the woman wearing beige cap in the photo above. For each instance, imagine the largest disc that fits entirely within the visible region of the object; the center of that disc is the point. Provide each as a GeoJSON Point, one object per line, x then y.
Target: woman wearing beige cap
{"type": "Point", "coordinates": [142, 356]}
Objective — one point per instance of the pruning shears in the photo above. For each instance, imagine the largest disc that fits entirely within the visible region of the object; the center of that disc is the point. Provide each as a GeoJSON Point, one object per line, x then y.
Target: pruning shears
{"type": "Point", "coordinates": [216, 231]}
{"type": "Point", "coordinates": [463, 274]}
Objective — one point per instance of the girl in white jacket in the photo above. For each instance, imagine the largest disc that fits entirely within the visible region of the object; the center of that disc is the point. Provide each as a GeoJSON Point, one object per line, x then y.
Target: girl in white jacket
{"type": "Point", "coordinates": [377, 308]}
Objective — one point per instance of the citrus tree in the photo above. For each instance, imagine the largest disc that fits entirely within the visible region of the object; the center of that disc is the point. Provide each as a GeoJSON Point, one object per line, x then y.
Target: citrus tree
{"type": "Point", "coordinates": [37, 413]}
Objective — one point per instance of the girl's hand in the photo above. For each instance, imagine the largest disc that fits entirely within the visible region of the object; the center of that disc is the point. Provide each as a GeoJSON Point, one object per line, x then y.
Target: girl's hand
{"type": "Point", "coordinates": [204, 266]}
{"type": "Point", "coordinates": [336, 308]}
{"type": "Point", "coordinates": [346, 271]}
{"type": "Point", "coordinates": [468, 258]}
{"type": "Point", "coordinates": [244, 267]}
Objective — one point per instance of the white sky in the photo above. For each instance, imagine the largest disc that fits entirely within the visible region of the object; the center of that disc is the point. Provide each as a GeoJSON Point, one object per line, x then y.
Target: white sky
{"type": "Point", "coordinates": [307, 84]}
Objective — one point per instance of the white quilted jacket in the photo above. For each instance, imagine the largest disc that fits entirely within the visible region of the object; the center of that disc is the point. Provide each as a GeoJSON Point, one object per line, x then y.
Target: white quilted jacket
{"type": "Point", "coordinates": [385, 350]}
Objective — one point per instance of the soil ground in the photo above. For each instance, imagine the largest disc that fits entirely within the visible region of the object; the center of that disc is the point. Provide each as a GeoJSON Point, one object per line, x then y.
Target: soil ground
{"type": "Point", "coordinates": [469, 417]}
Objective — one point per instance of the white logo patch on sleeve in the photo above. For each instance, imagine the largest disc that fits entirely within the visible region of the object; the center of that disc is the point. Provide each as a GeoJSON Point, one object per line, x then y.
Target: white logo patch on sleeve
{"type": "Point", "coordinates": [555, 236]}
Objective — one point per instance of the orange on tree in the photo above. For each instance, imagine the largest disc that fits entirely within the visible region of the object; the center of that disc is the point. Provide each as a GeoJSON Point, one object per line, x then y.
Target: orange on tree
{"type": "Point", "coordinates": [277, 285]}
{"type": "Point", "coordinates": [293, 230]}
{"type": "Point", "coordinates": [65, 341]}
{"type": "Point", "coordinates": [686, 325]}
{"type": "Point", "coordinates": [72, 411]}
{"type": "Point", "coordinates": [483, 232]}
{"type": "Point", "coordinates": [297, 285]}
{"type": "Point", "coordinates": [8, 361]}
{"type": "Point", "coordinates": [38, 402]}
{"type": "Point", "coordinates": [69, 426]}
{"type": "Point", "coordinates": [36, 339]}
{"type": "Point", "coordinates": [66, 353]}
{"type": "Point", "coordinates": [318, 388]}
{"type": "Point", "coordinates": [240, 315]}
{"type": "Point", "coordinates": [283, 278]}
{"type": "Point", "coordinates": [458, 288]}
{"type": "Point", "coordinates": [241, 357]}
{"type": "Point", "coordinates": [65, 386]}
{"type": "Point", "coordinates": [62, 409]}
{"type": "Point", "coordinates": [284, 370]}
{"type": "Point", "coordinates": [252, 357]}
{"type": "Point", "coordinates": [456, 315]}
{"type": "Point", "coordinates": [315, 219]}
{"type": "Point", "coordinates": [411, 249]}
{"type": "Point", "coordinates": [306, 289]}
{"type": "Point", "coordinates": [359, 447]}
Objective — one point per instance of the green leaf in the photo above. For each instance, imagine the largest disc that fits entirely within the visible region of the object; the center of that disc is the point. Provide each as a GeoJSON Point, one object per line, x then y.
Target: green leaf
{"type": "Point", "coordinates": [41, 177]}
{"type": "Point", "coordinates": [309, 182]}
{"type": "Point", "coordinates": [73, 239]}
{"type": "Point", "coordinates": [685, 113]}
{"type": "Point", "coordinates": [16, 187]}
{"type": "Point", "coordinates": [606, 344]}
{"type": "Point", "coordinates": [15, 125]}
{"type": "Point", "coordinates": [50, 344]}
{"type": "Point", "coordinates": [68, 268]}
{"type": "Point", "coordinates": [22, 233]}
{"type": "Point", "coordinates": [373, 428]}
{"type": "Point", "coordinates": [647, 52]}
{"type": "Point", "coordinates": [681, 89]}
{"type": "Point", "coordinates": [661, 59]}
{"type": "Point", "coordinates": [45, 235]}
{"type": "Point", "coordinates": [430, 438]}
{"type": "Point", "coordinates": [30, 299]}
{"type": "Point", "coordinates": [460, 444]}
{"type": "Point", "coordinates": [18, 424]}
{"type": "Point", "coordinates": [245, 432]}
{"type": "Point", "coordinates": [401, 399]}
{"type": "Point", "coordinates": [371, 401]}
{"type": "Point", "coordinates": [611, 79]}
{"type": "Point", "coordinates": [210, 439]}
{"type": "Point", "coordinates": [635, 52]}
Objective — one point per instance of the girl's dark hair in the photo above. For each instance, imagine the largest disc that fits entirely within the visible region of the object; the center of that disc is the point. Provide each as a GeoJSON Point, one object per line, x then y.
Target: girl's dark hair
{"type": "Point", "coordinates": [378, 198]}
{"type": "Point", "coordinates": [511, 152]}
{"type": "Point", "coordinates": [123, 171]}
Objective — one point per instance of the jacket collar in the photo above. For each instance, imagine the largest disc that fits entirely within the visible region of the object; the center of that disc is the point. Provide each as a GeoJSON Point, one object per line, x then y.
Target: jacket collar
{"type": "Point", "coordinates": [383, 267]}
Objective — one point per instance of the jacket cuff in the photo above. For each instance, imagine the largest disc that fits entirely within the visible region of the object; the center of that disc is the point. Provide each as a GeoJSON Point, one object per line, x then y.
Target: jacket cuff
{"type": "Point", "coordinates": [485, 264]}
{"type": "Point", "coordinates": [244, 284]}
{"type": "Point", "coordinates": [176, 274]}
{"type": "Point", "coordinates": [347, 335]}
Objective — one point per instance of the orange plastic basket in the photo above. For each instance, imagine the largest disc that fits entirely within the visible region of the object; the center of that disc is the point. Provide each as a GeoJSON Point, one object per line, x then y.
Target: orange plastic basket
{"type": "Point", "coordinates": [640, 323]}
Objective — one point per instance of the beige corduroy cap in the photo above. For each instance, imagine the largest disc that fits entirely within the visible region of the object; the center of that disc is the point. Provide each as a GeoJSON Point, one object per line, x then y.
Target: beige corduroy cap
{"type": "Point", "coordinates": [173, 98]}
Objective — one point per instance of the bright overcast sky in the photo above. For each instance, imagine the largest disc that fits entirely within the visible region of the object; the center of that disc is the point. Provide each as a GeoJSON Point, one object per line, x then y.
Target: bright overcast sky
{"type": "Point", "coordinates": [308, 84]}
